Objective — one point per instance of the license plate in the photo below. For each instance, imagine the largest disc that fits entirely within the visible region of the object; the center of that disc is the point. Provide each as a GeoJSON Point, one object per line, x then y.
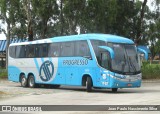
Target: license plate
{"type": "Point", "coordinates": [129, 85]}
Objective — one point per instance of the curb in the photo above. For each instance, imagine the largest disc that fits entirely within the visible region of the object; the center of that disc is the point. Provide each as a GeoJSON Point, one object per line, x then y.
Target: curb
{"type": "Point", "coordinates": [151, 81]}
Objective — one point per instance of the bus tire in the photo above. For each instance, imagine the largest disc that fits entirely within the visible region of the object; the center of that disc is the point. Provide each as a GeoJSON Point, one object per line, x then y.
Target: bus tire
{"type": "Point", "coordinates": [23, 81]}
{"type": "Point", "coordinates": [114, 89]}
{"type": "Point", "coordinates": [31, 81]}
{"type": "Point", "coordinates": [89, 84]}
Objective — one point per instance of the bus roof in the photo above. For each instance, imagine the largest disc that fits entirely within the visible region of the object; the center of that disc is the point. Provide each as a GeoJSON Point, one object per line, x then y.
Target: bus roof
{"type": "Point", "coordinates": [103, 37]}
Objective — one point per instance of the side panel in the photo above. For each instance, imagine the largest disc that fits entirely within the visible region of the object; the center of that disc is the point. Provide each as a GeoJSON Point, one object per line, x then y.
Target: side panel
{"type": "Point", "coordinates": [57, 70]}
{"type": "Point", "coordinates": [13, 73]}
{"type": "Point", "coordinates": [44, 69]}
{"type": "Point", "coordinates": [75, 68]}
{"type": "Point", "coordinates": [72, 76]}
{"type": "Point", "coordinates": [63, 70]}
{"type": "Point", "coordinates": [60, 77]}
{"type": "Point", "coordinates": [103, 78]}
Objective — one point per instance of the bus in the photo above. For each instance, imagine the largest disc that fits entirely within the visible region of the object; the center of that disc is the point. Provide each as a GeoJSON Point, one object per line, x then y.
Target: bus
{"type": "Point", "coordinates": [90, 60]}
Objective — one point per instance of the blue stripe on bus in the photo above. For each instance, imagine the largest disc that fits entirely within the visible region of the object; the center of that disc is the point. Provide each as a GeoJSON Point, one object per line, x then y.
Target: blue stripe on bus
{"type": "Point", "coordinates": [36, 63]}
{"type": "Point", "coordinates": [42, 59]}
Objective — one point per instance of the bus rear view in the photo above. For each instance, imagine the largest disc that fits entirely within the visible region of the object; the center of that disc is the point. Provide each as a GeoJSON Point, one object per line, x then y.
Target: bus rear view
{"type": "Point", "coordinates": [91, 60]}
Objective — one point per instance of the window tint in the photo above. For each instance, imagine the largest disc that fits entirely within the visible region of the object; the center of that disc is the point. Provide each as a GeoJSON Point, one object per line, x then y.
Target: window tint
{"type": "Point", "coordinates": [12, 51]}
{"type": "Point", "coordinates": [61, 49]}
{"type": "Point", "coordinates": [104, 60]}
{"type": "Point", "coordinates": [82, 49]}
{"type": "Point", "coordinates": [54, 50]}
{"type": "Point", "coordinates": [95, 44]}
{"type": "Point", "coordinates": [67, 49]}
{"type": "Point", "coordinates": [38, 50]}
{"type": "Point", "coordinates": [44, 50]}
{"type": "Point", "coordinates": [30, 51]}
{"type": "Point", "coordinates": [20, 51]}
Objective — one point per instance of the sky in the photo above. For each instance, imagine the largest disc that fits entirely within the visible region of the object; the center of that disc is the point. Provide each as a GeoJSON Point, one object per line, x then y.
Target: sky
{"type": "Point", "coordinates": [149, 4]}
{"type": "Point", "coordinates": [3, 37]}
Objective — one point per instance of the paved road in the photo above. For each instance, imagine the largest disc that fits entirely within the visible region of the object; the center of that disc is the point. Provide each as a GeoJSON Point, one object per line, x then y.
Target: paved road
{"type": "Point", "coordinates": [13, 94]}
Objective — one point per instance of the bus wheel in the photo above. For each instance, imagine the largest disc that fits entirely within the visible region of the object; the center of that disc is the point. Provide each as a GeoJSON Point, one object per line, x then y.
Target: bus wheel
{"type": "Point", "coordinates": [31, 82]}
{"type": "Point", "coordinates": [23, 81]}
{"type": "Point", "coordinates": [89, 84]}
{"type": "Point", "coordinates": [114, 89]}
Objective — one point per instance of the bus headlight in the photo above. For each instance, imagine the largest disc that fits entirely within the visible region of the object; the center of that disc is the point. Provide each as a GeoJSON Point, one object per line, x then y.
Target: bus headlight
{"type": "Point", "coordinates": [139, 76]}
{"type": "Point", "coordinates": [123, 77]}
{"type": "Point", "coordinates": [120, 76]}
{"type": "Point", "coordinates": [104, 76]}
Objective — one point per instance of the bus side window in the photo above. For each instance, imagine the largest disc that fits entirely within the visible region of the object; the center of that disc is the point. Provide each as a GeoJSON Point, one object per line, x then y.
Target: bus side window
{"type": "Point", "coordinates": [97, 50]}
{"type": "Point", "coordinates": [82, 49]}
{"type": "Point", "coordinates": [37, 50]}
{"type": "Point", "coordinates": [54, 50]}
{"type": "Point", "coordinates": [12, 51]}
{"type": "Point", "coordinates": [44, 50]}
{"type": "Point", "coordinates": [67, 49]}
{"type": "Point", "coordinates": [104, 60]}
{"type": "Point", "coordinates": [20, 52]}
{"type": "Point", "coordinates": [30, 51]}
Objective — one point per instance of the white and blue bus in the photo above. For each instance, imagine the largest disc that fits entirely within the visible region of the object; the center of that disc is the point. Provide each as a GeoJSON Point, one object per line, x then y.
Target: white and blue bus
{"type": "Point", "coordinates": [91, 60]}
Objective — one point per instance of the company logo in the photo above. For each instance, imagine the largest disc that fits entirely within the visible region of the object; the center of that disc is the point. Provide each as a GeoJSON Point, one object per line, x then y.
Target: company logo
{"type": "Point", "coordinates": [46, 71]}
{"type": "Point", "coordinates": [6, 108]}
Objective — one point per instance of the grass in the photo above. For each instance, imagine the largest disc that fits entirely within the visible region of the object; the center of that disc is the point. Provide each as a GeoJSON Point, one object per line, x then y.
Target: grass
{"type": "Point", "coordinates": [3, 73]}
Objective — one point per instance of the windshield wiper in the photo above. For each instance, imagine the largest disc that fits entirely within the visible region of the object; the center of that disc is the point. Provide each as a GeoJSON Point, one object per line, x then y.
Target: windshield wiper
{"type": "Point", "coordinates": [124, 64]}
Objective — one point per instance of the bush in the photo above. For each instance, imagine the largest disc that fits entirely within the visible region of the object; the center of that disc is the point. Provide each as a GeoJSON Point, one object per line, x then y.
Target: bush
{"type": "Point", "coordinates": [150, 71]}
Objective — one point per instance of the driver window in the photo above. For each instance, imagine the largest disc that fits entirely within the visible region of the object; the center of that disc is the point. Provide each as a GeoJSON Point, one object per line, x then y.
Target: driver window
{"type": "Point", "coordinates": [104, 60]}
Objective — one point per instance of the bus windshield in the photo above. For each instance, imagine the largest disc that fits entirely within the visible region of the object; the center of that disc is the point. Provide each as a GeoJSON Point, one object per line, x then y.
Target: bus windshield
{"type": "Point", "coordinates": [126, 58]}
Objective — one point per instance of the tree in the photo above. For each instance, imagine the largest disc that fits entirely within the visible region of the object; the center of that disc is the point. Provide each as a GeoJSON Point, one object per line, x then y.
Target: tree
{"type": "Point", "coordinates": [46, 11]}
{"type": "Point", "coordinates": [73, 12]}
{"type": "Point", "coordinates": [153, 32]}
{"type": "Point", "coordinates": [8, 9]}
{"type": "Point", "coordinates": [28, 11]}
{"type": "Point", "coordinates": [140, 23]}
{"type": "Point", "coordinates": [153, 37]}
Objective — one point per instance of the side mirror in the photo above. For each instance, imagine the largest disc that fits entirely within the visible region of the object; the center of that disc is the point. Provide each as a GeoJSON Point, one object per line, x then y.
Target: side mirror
{"type": "Point", "coordinates": [139, 60]}
{"type": "Point", "coordinates": [110, 50]}
{"type": "Point", "coordinates": [143, 51]}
